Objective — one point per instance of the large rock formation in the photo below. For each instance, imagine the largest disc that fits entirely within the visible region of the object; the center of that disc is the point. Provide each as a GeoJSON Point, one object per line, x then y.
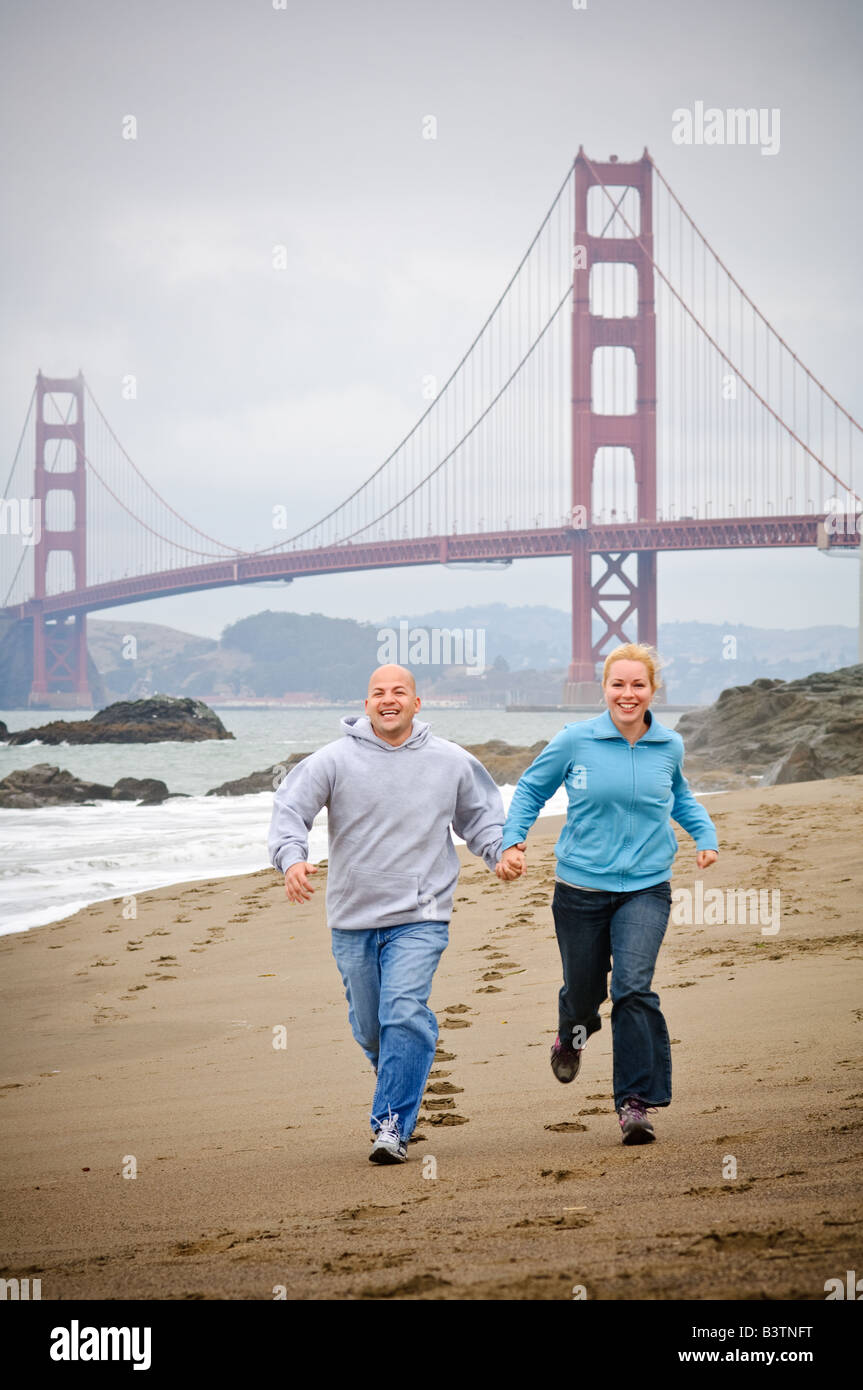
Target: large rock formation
{"type": "Point", "coordinates": [505, 761]}
{"type": "Point", "coordinates": [786, 731]}
{"type": "Point", "coordinates": [45, 785]}
{"type": "Point", "coordinates": [264, 781]}
{"type": "Point", "coordinates": [161, 718]}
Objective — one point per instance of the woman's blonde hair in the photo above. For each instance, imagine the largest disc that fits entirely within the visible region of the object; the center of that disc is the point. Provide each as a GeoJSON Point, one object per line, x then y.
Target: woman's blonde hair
{"type": "Point", "coordinates": [635, 651]}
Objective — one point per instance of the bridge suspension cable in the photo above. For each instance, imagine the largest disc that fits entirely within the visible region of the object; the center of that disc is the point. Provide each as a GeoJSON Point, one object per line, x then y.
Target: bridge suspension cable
{"type": "Point", "coordinates": [743, 427]}
{"type": "Point", "coordinates": [506, 343]}
{"type": "Point", "coordinates": [10, 573]}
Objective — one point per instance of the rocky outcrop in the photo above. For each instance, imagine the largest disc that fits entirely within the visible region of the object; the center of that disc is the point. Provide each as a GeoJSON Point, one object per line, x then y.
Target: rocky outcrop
{"type": "Point", "coordinates": [264, 781]}
{"type": "Point", "coordinates": [782, 731]}
{"type": "Point", "coordinates": [147, 791]}
{"type": "Point", "coordinates": [161, 718]}
{"type": "Point", "coordinates": [45, 785]}
{"type": "Point", "coordinates": [505, 761]}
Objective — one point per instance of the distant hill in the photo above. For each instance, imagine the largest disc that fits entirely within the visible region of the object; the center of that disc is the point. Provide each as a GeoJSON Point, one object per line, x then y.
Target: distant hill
{"type": "Point", "coordinates": [273, 654]}
{"type": "Point", "coordinates": [700, 659]}
{"type": "Point", "coordinates": [266, 655]}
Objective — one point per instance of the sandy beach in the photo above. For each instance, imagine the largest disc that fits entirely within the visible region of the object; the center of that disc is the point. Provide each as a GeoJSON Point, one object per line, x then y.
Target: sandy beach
{"type": "Point", "coordinates": [146, 1044]}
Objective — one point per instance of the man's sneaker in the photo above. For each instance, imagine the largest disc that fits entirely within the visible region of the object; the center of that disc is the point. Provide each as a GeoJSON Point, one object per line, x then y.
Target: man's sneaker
{"type": "Point", "coordinates": [565, 1060]}
{"type": "Point", "coordinates": [634, 1124]}
{"type": "Point", "coordinates": [389, 1147]}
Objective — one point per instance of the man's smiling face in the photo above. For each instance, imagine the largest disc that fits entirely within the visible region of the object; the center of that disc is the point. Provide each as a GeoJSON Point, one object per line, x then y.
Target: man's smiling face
{"type": "Point", "coordinates": [392, 703]}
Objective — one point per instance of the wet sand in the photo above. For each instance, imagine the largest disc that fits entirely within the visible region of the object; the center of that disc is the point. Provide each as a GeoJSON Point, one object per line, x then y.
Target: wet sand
{"type": "Point", "coordinates": [147, 1044]}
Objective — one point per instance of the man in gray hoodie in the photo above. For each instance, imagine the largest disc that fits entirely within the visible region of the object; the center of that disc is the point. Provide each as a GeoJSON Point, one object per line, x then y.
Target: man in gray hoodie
{"type": "Point", "coordinates": [392, 791]}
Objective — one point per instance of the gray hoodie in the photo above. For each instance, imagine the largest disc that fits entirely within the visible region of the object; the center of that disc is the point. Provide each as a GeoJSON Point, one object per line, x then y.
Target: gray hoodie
{"type": "Point", "coordinates": [391, 855]}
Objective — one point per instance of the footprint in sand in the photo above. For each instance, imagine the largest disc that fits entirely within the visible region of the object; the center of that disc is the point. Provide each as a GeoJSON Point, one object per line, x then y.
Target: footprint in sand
{"type": "Point", "coordinates": [488, 989]}
{"type": "Point", "coordinates": [452, 1022]}
{"type": "Point", "coordinates": [440, 1111]}
{"type": "Point", "coordinates": [107, 1014]}
{"type": "Point", "coordinates": [566, 1127]}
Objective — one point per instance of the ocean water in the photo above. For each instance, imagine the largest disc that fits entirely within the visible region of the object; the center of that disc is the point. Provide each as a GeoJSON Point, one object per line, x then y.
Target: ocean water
{"type": "Point", "coordinates": [56, 860]}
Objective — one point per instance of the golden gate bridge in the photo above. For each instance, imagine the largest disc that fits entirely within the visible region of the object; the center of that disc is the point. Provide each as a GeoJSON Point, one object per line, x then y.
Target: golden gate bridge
{"type": "Point", "coordinates": [625, 396]}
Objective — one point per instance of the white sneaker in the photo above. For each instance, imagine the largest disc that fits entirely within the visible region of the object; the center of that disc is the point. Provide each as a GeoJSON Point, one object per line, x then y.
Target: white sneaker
{"type": "Point", "coordinates": [389, 1147]}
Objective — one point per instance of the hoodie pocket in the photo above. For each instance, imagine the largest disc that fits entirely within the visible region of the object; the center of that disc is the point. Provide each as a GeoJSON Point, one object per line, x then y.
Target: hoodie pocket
{"type": "Point", "coordinates": [370, 896]}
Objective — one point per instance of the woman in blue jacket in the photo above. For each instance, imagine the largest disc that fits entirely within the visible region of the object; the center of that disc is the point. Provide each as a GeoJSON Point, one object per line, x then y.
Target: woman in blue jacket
{"type": "Point", "coordinates": [612, 897]}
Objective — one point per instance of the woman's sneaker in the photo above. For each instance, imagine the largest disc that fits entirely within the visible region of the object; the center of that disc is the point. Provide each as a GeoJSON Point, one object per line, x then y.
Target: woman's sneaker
{"type": "Point", "coordinates": [389, 1147]}
{"type": "Point", "coordinates": [565, 1060]}
{"type": "Point", "coordinates": [634, 1124]}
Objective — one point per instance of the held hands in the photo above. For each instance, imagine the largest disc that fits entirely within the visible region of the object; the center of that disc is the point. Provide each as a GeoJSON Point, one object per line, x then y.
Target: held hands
{"type": "Point", "coordinates": [297, 884]}
{"type": "Point", "coordinates": [511, 864]}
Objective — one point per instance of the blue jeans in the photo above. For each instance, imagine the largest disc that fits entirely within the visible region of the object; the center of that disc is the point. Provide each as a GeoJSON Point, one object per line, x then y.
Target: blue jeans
{"type": "Point", "coordinates": [387, 974]}
{"type": "Point", "coordinates": [593, 930]}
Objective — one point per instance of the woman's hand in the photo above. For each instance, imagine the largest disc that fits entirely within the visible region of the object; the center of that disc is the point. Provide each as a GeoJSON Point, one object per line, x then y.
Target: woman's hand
{"type": "Point", "coordinates": [705, 857]}
{"type": "Point", "coordinates": [511, 864]}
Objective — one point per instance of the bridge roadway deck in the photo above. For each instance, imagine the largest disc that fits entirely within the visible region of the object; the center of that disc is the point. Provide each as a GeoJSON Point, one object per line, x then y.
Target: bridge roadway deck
{"type": "Point", "coordinates": [689, 533]}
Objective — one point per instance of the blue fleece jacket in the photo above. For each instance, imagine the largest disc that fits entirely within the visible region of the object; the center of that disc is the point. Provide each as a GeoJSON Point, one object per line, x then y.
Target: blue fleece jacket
{"type": "Point", "coordinates": [391, 855]}
{"type": "Point", "coordinates": [622, 799]}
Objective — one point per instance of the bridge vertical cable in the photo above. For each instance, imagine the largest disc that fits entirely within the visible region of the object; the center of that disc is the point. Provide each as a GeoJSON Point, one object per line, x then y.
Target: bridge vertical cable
{"type": "Point", "coordinates": [16, 548]}
{"type": "Point", "coordinates": [491, 452]}
{"type": "Point", "coordinates": [744, 428]}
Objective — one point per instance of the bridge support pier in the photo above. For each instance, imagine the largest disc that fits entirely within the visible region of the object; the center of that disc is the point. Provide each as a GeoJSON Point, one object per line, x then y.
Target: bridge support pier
{"type": "Point", "coordinates": [629, 597]}
{"type": "Point", "coordinates": [60, 643]}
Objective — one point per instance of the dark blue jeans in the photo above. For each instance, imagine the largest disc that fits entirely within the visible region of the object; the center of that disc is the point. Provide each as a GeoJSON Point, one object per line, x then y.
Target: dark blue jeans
{"type": "Point", "coordinates": [621, 932]}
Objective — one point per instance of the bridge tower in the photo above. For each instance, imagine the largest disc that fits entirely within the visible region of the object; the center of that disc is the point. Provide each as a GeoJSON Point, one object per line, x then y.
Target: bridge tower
{"type": "Point", "coordinates": [592, 431]}
{"type": "Point", "coordinates": [60, 641]}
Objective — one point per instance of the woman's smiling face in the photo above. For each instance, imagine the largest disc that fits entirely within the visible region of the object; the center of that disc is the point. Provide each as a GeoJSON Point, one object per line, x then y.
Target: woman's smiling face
{"type": "Point", "coordinates": [627, 692]}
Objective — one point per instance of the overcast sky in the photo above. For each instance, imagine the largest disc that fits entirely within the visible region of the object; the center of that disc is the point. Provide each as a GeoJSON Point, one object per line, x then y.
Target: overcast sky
{"type": "Point", "coordinates": [303, 126]}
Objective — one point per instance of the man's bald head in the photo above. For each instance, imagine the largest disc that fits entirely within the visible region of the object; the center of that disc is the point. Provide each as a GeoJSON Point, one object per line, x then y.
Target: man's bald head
{"type": "Point", "coordinates": [391, 703]}
{"type": "Point", "coordinates": [390, 675]}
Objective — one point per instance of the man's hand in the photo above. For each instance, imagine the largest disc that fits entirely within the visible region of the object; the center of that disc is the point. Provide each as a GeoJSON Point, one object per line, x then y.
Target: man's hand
{"type": "Point", "coordinates": [511, 864]}
{"type": "Point", "coordinates": [297, 885]}
{"type": "Point", "coordinates": [705, 857]}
